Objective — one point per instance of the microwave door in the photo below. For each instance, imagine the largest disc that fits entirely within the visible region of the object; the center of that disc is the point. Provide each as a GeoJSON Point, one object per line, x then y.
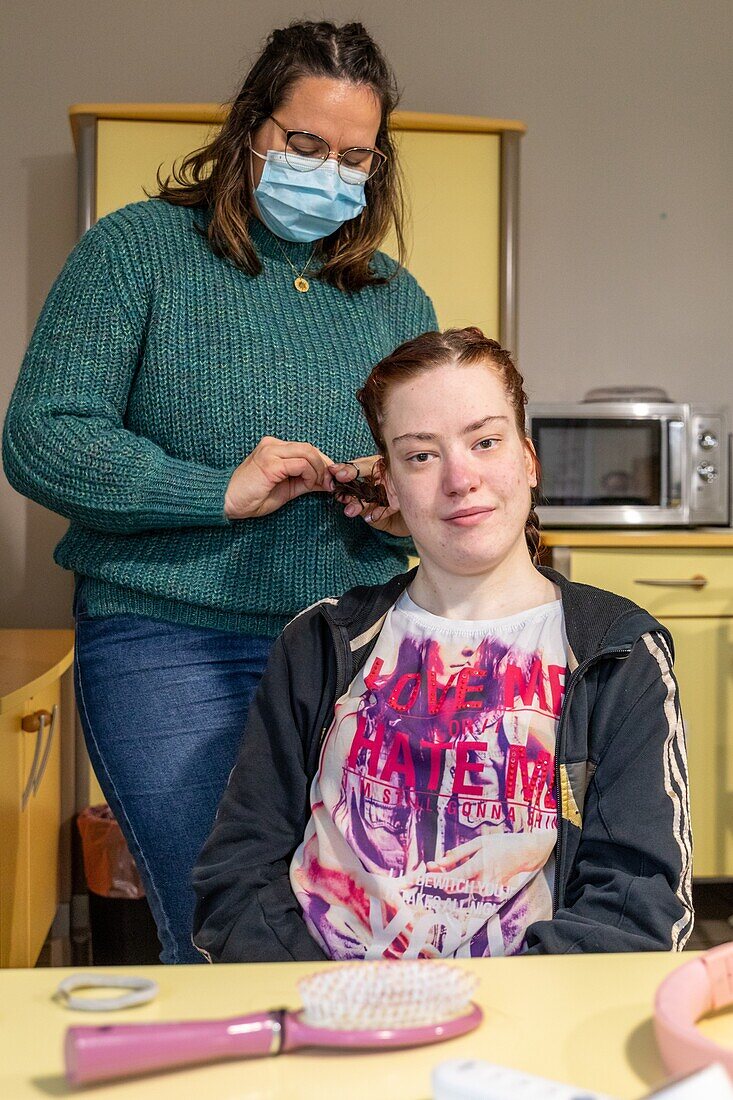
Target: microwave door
{"type": "Point", "coordinates": [604, 470]}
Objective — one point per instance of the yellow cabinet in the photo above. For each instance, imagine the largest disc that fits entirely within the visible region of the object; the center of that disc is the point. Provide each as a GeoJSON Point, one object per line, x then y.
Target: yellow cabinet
{"type": "Point", "coordinates": [677, 582]}
{"type": "Point", "coordinates": [690, 590]}
{"type": "Point", "coordinates": [704, 670]}
{"type": "Point", "coordinates": [14, 869]}
{"type": "Point", "coordinates": [31, 665]}
{"type": "Point", "coordinates": [44, 818]}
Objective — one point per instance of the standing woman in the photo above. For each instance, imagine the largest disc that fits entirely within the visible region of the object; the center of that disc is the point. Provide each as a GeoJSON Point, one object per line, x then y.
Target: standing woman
{"type": "Point", "coordinates": [187, 391]}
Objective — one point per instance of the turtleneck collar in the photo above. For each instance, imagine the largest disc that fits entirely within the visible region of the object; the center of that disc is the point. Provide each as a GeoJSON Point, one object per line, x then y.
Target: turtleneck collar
{"type": "Point", "coordinates": [267, 244]}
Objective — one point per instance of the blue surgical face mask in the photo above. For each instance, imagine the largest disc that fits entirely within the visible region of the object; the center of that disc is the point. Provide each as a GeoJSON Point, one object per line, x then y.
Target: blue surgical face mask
{"type": "Point", "coordinates": [307, 205]}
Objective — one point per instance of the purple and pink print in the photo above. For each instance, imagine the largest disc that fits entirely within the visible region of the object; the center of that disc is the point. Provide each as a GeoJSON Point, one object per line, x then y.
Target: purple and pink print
{"type": "Point", "coordinates": [433, 810]}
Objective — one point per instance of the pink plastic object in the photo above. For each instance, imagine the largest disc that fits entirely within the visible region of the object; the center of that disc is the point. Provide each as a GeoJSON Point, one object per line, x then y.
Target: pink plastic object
{"type": "Point", "coordinates": [101, 1053]}
{"type": "Point", "coordinates": [702, 985]}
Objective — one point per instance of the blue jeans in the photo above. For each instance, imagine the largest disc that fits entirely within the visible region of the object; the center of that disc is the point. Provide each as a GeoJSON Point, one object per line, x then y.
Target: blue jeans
{"type": "Point", "coordinates": [163, 709]}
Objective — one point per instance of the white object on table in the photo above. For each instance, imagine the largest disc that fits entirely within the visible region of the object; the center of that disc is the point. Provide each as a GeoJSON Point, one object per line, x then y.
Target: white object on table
{"type": "Point", "coordinates": [142, 990]}
{"type": "Point", "coordinates": [465, 1079]}
{"type": "Point", "coordinates": [711, 1083]}
{"type": "Point", "coordinates": [472, 1079]}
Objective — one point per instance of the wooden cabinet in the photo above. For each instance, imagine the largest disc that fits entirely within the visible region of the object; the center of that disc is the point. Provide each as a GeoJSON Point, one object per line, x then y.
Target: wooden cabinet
{"type": "Point", "coordinates": [670, 583]}
{"type": "Point", "coordinates": [690, 590]}
{"type": "Point", "coordinates": [44, 819]}
{"type": "Point", "coordinates": [461, 177]}
{"type": "Point", "coordinates": [31, 665]}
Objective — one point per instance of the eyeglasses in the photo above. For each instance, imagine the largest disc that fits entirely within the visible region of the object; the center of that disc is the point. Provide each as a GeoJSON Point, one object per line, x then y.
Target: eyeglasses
{"type": "Point", "coordinates": [304, 152]}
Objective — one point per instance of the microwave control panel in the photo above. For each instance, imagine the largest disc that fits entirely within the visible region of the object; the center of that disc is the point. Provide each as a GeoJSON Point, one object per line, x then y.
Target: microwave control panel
{"type": "Point", "coordinates": [708, 449]}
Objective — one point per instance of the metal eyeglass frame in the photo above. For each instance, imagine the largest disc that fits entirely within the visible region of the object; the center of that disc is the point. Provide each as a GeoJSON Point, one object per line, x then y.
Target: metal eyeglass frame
{"type": "Point", "coordinates": [381, 157]}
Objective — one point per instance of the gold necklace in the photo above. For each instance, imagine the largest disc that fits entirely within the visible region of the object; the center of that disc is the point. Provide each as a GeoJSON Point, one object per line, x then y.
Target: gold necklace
{"type": "Point", "coordinates": [299, 282]}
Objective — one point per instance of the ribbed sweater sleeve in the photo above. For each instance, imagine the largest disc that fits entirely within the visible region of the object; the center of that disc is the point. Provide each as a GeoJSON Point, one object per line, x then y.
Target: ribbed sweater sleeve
{"type": "Point", "coordinates": [154, 369]}
{"type": "Point", "coordinates": [64, 442]}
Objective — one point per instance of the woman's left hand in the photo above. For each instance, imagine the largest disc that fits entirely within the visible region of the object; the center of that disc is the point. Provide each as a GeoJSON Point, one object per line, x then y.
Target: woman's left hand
{"type": "Point", "coordinates": [384, 519]}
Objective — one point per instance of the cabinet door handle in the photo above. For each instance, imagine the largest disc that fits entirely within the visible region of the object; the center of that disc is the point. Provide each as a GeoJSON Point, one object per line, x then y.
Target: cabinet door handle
{"type": "Point", "coordinates": [47, 750]}
{"type": "Point", "coordinates": [697, 582]}
{"type": "Point", "coordinates": [33, 723]}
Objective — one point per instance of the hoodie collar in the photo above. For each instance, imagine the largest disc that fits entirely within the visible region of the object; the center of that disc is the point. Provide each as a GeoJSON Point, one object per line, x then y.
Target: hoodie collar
{"type": "Point", "coordinates": [596, 620]}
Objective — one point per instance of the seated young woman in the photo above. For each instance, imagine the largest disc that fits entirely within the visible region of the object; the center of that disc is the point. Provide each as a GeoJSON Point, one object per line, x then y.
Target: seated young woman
{"type": "Point", "coordinates": [478, 758]}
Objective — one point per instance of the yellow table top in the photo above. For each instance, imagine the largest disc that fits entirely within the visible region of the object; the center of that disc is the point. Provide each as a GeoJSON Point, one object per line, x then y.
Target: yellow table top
{"type": "Point", "coordinates": [581, 1019]}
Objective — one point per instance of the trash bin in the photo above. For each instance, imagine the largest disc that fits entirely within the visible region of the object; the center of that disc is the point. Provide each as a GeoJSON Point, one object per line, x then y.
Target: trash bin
{"type": "Point", "coordinates": [122, 926]}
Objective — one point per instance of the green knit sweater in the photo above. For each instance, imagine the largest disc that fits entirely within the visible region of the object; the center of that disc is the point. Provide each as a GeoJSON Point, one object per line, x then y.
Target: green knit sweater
{"type": "Point", "coordinates": [154, 369]}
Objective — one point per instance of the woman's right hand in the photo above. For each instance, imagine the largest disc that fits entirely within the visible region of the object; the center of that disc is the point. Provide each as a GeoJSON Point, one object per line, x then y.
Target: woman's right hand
{"type": "Point", "coordinates": [274, 473]}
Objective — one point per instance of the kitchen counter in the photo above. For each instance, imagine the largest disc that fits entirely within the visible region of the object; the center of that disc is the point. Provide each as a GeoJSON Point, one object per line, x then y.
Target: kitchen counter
{"type": "Point", "coordinates": [581, 1019]}
{"type": "Point", "coordinates": [29, 661]}
{"type": "Point", "coordinates": [688, 539]}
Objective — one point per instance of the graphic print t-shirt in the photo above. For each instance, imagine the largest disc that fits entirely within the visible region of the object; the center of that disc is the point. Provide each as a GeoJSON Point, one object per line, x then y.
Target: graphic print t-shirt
{"type": "Point", "coordinates": [433, 812]}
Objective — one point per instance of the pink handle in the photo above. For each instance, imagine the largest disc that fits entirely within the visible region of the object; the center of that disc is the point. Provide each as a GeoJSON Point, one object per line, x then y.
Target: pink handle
{"type": "Point", "coordinates": [100, 1053]}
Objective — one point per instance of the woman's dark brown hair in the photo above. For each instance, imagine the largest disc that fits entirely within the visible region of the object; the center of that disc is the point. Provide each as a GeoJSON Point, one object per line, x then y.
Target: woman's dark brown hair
{"type": "Point", "coordinates": [463, 347]}
{"type": "Point", "coordinates": [218, 178]}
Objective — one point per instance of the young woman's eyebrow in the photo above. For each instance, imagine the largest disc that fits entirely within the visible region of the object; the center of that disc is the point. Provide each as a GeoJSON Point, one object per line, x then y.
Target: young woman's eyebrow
{"type": "Point", "coordinates": [477, 424]}
{"type": "Point", "coordinates": [426, 437]}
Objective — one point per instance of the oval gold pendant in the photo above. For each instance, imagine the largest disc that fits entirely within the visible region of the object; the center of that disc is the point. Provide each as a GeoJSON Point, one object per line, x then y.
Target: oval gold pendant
{"type": "Point", "coordinates": [301, 284]}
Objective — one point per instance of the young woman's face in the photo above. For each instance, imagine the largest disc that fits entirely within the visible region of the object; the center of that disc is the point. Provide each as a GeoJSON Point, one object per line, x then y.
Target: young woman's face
{"type": "Point", "coordinates": [458, 470]}
{"type": "Point", "coordinates": [346, 115]}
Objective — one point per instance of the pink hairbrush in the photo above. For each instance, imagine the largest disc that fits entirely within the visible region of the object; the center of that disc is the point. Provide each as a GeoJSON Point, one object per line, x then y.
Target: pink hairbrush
{"type": "Point", "coordinates": [361, 1006]}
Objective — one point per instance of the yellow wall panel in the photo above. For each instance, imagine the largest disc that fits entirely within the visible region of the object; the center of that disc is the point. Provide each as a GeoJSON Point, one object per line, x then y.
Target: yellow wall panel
{"type": "Point", "coordinates": [452, 190]}
{"type": "Point", "coordinates": [452, 186]}
{"type": "Point", "coordinates": [129, 153]}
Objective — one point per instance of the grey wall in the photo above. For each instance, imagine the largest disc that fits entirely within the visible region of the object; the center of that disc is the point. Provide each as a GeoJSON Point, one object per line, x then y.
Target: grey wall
{"type": "Point", "coordinates": [626, 258]}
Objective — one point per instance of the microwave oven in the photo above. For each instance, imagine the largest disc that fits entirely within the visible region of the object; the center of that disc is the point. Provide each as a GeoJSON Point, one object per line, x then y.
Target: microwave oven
{"type": "Point", "coordinates": [631, 464]}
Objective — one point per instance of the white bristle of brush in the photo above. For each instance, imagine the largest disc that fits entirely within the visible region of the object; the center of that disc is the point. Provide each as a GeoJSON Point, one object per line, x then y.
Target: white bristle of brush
{"type": "Point", "coordinates": [372, 995]}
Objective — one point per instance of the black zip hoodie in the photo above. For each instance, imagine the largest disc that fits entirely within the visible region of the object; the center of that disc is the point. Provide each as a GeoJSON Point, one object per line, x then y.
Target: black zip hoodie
{"type": "Point", "coordinates": [623, 852]}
